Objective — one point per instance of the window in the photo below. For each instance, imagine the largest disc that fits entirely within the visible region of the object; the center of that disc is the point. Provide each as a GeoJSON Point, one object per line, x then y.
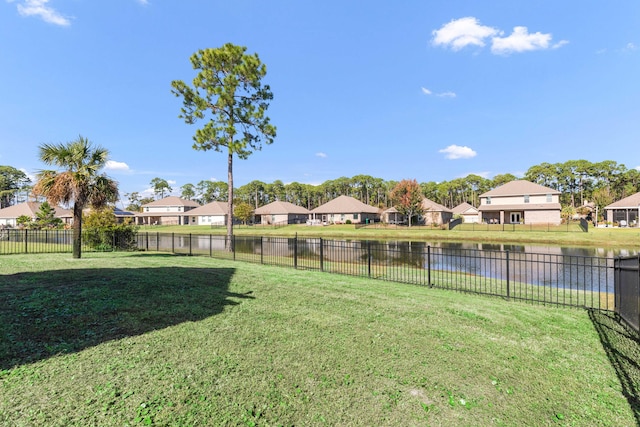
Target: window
{"type": "Point", "coordinates": [488, 200]}
{"type": "Point", "coordinates": [526, 198]}
{"type": "Point", "coordinates": [355, 216]}
{"type": "Point", "coordinates": [549, 198]}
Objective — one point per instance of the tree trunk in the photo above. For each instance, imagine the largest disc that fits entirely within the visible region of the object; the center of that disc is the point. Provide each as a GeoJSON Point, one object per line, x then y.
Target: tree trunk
{"type": "Point", "coordinates": [230, 202]}
{"type": "Point", "coordinates": [77, 230]}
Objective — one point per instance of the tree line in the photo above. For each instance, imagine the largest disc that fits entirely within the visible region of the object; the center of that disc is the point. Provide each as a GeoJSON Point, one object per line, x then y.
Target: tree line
{"type": "Point", "coordinates": [579, 181]}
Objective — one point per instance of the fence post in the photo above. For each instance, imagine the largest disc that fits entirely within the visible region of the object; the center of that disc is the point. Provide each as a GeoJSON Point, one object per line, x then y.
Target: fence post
{"type": "Point", "coordinates": [321, 255]}
{"type": "Point", "coordinates": [295, 251]}
{"type": "Point", "coordinates": [429, 266]}
{"type": "Point", "coordinates": [26, 237]}
{"type": "Point", "coordinates": [508, 284]}
{"type": "Point", "coordinates": [173, 243]}
{"type": "Point", "coordinates": [190, 249]}
{"type": "Point", "coordinates": [157, 241]}
{"type": "Point", "coordinates": [233, 246]}
{"type": "Point", "coordinates": [210, 245]}
{"type": "Point", "coordinates": [114, 242]}
{"type": "Point", "coordinates": [369, 258]}
{"type": "Point", "coordinates": [261, 250]}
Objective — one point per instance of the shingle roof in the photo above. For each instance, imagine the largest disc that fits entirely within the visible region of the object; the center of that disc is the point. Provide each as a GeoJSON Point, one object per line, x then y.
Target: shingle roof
{"type": "Point", "coordinates": [278, 207]}
{"type": "Point", "coordinates": [344, 204]}
{"type": "Point", "coordinates": [464, 208]}
{"type": "Point", "coordinates": [172, 201]}
{"type": "Point", "coordinates": [30, 209]}
{"type": "Point", "coordinates": [518, 188]}
{"type": "Point", "coordinates": [633, 201]}
{"type": "Point", "coordinates": [213, 208]}
{"type": "Point", "coordinates": [431, 206]}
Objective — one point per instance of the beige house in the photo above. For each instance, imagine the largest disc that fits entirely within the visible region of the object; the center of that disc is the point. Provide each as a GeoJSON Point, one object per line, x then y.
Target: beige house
{"type": "Point", "coordinates": [343, 209]}
{"type": "Point", "coordinates": [624, 212]}
{"type": "Point", "coordinates": [10, 215]}
{"type": "Point", "coordinates": [434, 213]}
{"type": "Point", "coordinates": [281, 213]}
{"type": "Point", "coordinates": [168, 211]}
{"type": "Point", "coordinates": [520, 202]}
{"type": "Point", "coordinates": [467, 212]}
{"type": "Point", "coordinates": [214, 213]}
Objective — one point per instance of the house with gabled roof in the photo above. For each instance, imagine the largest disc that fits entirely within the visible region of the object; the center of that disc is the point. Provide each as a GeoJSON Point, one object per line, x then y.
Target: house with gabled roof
{"type": "Point", "coordinates": [214, 213]}
{"type": "Point", "coordinates": [521, 202]}
{"type": "Point", "coordinates": [627, 210]}
{"type": "Point", "coordinates": [281, 213]}
{"type": "Point", "coordinates": [467, 212]}
{"type": "Point", "coordinates": [343, 209]}
{"type": "Point", "coordinates": [9, 215]}
{"type": "Point", "coordinates": [434, 213]}
{"type": "Point", "coordinates": [167, 211]}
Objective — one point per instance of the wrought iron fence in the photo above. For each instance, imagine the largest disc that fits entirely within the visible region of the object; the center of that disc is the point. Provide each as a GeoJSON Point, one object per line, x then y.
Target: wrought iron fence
{"type": "Point", "coordinates": [627, 290]}
{"type": "Point", "coordinates": [568, 280]}
{"type": "Point", "coordinates": [559, 279]}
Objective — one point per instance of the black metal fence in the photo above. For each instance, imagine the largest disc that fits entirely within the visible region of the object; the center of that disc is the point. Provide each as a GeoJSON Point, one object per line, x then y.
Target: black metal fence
{"type": "Point", "coordinates": [627, 290]}
{"type": "Point", "coordinates": [559, 279]}
{"type": "Point", "coordinates": [568, 280]}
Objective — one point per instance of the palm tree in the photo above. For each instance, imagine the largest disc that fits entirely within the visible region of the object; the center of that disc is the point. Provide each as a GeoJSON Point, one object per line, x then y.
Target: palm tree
{"type": "Point", "coordinates": [78, 182]}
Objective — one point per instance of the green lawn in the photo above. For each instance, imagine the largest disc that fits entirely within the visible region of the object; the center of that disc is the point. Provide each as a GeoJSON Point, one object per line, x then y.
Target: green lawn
{"type": "Point", "coordinates": [155, 339]}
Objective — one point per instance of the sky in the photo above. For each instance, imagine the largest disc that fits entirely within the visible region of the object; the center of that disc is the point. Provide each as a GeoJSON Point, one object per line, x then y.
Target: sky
{"type": "Point", "coordinates": [426, 90]}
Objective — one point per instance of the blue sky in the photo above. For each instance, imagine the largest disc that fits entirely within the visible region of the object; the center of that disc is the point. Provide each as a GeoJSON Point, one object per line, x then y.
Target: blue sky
{"type": "Point", "coordinates": [425, 90]}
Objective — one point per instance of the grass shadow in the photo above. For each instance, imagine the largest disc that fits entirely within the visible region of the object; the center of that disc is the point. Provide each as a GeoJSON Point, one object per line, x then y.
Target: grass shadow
{"type": "Point", "coordinates": [63, 311]}
{"type": "Point", "coordinates": [623, 350]}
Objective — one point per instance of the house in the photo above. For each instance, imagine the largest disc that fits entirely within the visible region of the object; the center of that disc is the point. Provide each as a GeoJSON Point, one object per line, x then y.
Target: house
{"type": "Point", "coordinates": [10, 215]}
{"type": "Point", "coordinates": [519, 202]}
{"type": "Point", "coordinates": [624, 211]}
{"type": "Point", "coordinates": [467, 212]}
{"type": "Point", "coordinates": [214, 213]}
{"type": "Point", "coordinates": [434, 213]}
{"type": "Point", "coordinates": [281, 213]}
{"type": "Point", "coordinates": [343, 209]}
{"type": "Point", "coordinates": [168, 211]}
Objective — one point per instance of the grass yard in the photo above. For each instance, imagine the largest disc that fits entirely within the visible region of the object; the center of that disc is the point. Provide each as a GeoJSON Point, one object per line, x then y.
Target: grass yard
{"type": "Point", "coordinates": [155, 339]}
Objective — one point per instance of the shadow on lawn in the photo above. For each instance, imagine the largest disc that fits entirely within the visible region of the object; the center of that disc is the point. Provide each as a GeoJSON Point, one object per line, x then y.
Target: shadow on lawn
{"type": "Point", "coordinates": [623, 349]}
{"type": "Point", "coordinates": [63, 311]}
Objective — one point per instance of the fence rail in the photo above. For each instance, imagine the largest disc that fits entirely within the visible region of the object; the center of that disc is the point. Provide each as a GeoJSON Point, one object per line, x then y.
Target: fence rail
{"type": "Point", "coordinates": [568, 280]}
{"type": "Point", "coordinates": [558, 279]}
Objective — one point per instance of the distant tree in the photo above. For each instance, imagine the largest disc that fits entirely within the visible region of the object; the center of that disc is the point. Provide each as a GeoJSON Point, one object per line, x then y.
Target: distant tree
{"type": "Point", "coordinates": [160, 186]}
{"type": "Point", "coordinates": [146, 200]}
{"type": "Point", "coordinates": [243, 211]}
{"type": "Point", "coordinates": [12, 181]}
{"type": "Point", "coordinates": [24, 221]}
{"type": "Point", "coordinates": [229, 87]}
{"type": "Point", "coordinates": [134, 201]}
{"type": "Point", "coordinates": [46, 216]}
{"type": "Point", "coordinates": [212, 191]}
{"type": "Point", "coordinates": [407, 198]}
{"type": "Point", "coordinates": [79, 182]}
{"type": "Point", "coordinates": [188, 191]}
{"type": "Point", "coordinates": [502, 179]}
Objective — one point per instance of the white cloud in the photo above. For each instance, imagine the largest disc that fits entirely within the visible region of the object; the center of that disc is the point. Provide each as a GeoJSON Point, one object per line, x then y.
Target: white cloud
{"type": "Point", "coordinates": [31, 176]}
{"type": "Point", "coordinates": [321, 155]}
{"type": "Point", "coordinates": [143, 2]}
{"type": "Point", "coordinates": [171, 182]}
{"type": "Point", "coordinates": [468, 31]}
{"type": "Point", "coordinates": [40, 9]}
{"type": "Point", "coordinates": [447, 95]}
{"type": "Point", "coordinates": [630, 46]}
{"type": "Point", "coordinates": [463, 32]}
{"type": "Point", "coordinates": [520, 40]}
{"type": "Point", "coordinates": [426, 91]}
{"type": "Point", "coordinates": [457, 152]}
{"type": "Point", "coordinates": [116, 166]}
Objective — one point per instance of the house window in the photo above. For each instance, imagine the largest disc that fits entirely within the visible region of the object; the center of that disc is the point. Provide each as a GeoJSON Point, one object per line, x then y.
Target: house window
{"type": "Point", "coordinates": [342, 217]}
{"type": "Point", "coordinates": [526, 198]}
{"type": "Point", "coordinates": [355, 216]}
{"type": "Point", "coordinates": [488, 200]}
{"type": "Point", "coordinates": [549, 198]}
{"type": "Point", "coordinates": [146, 209]}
